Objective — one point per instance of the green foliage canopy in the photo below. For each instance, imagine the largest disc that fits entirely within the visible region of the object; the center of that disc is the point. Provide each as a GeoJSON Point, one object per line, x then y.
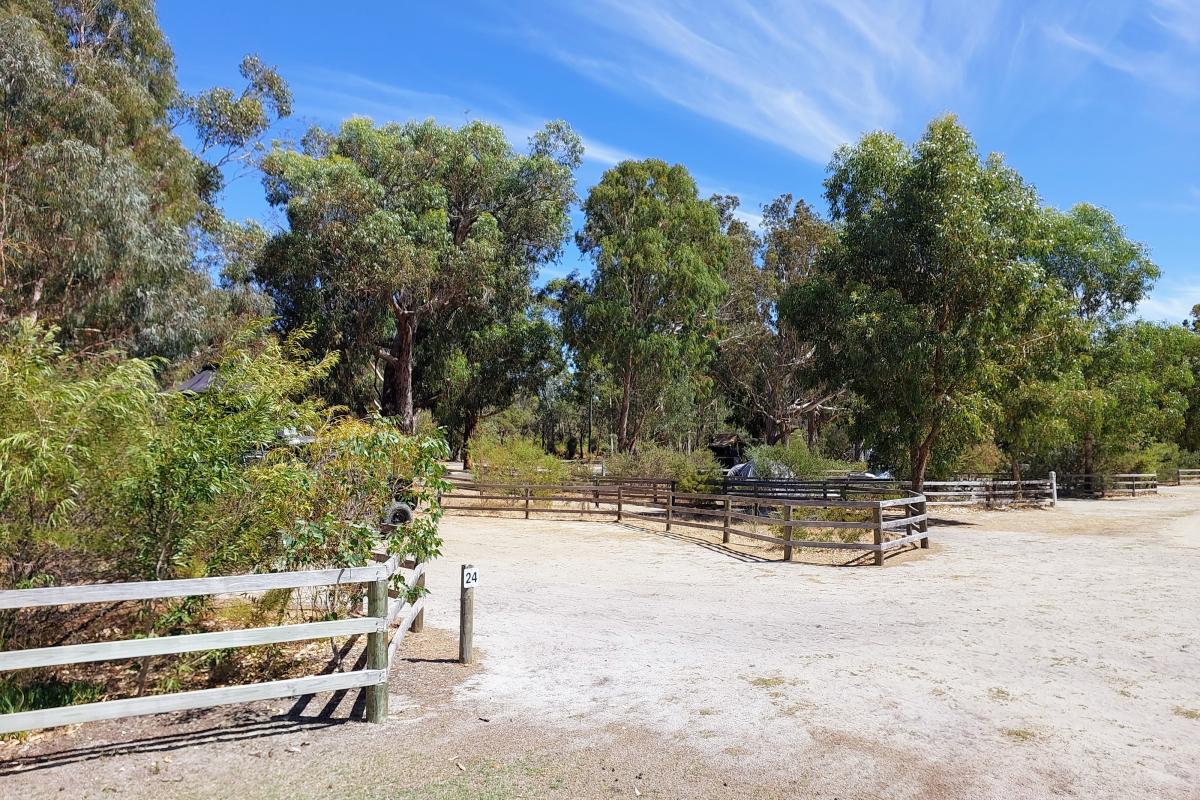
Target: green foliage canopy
{"type": "Point", "coordinates": [395, 224]}
{"type": "Point", "coordinates": [928, 290]}
{"type": "Point", "coordinates": [648, 313]}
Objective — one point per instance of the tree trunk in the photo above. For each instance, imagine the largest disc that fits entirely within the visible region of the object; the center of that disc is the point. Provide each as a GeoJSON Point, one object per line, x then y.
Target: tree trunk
{"type": "Point", "coordinates": [624, 445]}
{"type": "Point", "coordinates": [398, 388]}
{"type": "Point", "coordinates": [812, 430]}
{"type": "Point", "coordinates": [468, 431]}
{"type": "Point", "coordinates": [919, 456]}
{"type": "Point", "coordinates": [1016, 475]}
{"type": "Point", "coordinates": [770, 429]}
{"type": "Point", "coordinates": [1089, 458]}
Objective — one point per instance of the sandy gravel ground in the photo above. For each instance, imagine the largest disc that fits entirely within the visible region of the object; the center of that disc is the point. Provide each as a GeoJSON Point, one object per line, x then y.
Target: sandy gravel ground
{"type": "Point", "coordinates": [1029, 654]}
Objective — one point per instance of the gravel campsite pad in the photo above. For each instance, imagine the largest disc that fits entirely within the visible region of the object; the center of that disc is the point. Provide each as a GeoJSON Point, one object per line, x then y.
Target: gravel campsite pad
{"type": "Point", "coordinates": [1028, 654]}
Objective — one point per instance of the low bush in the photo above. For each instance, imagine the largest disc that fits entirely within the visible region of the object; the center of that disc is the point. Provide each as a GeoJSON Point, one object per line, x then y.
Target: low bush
{"type": "Point", "coordinates": [516, 460]}
{"type": "Point", "coordinates": [106, 476]}
{"type": "Point", "coordinates": [692, 472]}
{"type": "Point", "coordinates": [792, 460]}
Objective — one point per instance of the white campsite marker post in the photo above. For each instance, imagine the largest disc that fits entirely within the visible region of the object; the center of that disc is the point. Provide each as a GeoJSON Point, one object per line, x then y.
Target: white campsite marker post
{"type": "Point", "coordinates": [466, 612]}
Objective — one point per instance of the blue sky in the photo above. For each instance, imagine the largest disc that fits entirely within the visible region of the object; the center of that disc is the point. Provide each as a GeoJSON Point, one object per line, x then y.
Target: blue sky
{"type": "Point", "coordinates": [1091, 101]}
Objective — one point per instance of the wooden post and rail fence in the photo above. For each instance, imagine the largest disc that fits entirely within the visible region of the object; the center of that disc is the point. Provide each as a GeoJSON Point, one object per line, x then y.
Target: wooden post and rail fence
{"type": "Point", "coordinates": [1187, 477]}
{"type": "Point", "coordinates": [989, 492]}
{"type": "Point", "coordinates": [1097, 485]}
{"type": "Point", "coordinates": [891, 517]}
{"type": "Point", "coordinates": [388, 612]}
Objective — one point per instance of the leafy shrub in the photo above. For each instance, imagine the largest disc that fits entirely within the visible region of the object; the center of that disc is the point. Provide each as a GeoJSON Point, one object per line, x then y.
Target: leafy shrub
{"type": "Point", "coordinates": [103, 476]}
{"type": "Point", "coordinates": [692, 472]}
{"type": "Point", "coordinates": [984, 458]}
{"type": "Point", "coordinates": [1162, 458]}
{"type": "Point", "coordinates": [791, 460]}
{"type": "Point", "coordinates": [516, 460]}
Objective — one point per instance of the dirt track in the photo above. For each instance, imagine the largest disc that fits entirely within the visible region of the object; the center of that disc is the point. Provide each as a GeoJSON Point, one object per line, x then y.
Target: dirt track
{"type": "Point", "coordinates": [1028, 654]}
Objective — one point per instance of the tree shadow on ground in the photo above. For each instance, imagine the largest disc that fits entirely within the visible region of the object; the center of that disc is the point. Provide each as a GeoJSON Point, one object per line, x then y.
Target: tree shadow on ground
{"type": "Point", "coordinates": [941, 522]}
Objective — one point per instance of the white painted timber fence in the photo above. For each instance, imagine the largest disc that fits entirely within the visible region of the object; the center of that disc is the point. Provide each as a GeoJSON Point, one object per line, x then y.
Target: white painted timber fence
{"type": "Point", "coordinates": [985, 491]}
{"type": "Point", "coordinates": [992, 492]}
{"type": "Point", "coordinates": [384, 614]}
{"type": "Point", "coordinates": [1128, 484]}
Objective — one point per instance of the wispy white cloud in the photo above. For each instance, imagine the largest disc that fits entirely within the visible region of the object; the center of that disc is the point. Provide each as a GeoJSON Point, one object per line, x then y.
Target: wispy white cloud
{"type": "Point", "coordinates": [1160, 67]}
{"type": "Point", "coordinates": [1170, 303]}
{"type": "Point", "coordinates": [1154, 42]}
{"type": "Point", "coordinates": [805, 76]}
{"type": "Point", "coordinates": [333, 95]}
{"type": "Point", "coordinates": [1181, 18]}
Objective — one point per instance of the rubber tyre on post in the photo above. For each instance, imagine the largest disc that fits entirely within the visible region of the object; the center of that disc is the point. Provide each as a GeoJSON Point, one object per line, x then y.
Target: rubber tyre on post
{"type": "Point", "coordinates": [397, 513]}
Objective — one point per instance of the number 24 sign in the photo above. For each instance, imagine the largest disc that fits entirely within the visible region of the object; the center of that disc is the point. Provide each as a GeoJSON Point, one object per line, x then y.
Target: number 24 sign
{"type": "Point", "coordinates": [470, 577]}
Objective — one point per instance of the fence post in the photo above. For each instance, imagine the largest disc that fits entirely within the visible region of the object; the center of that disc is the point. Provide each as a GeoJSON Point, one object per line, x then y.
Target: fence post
{"type": "Point", "coordinates": [1053, 489]}
{"type": "Point", "coordinates": [877, 529]}
{"type": "Point", "coordinates": [923, 526]}
{"type": "Point", "coordinates": [787, 533]}
{"type": "Point", "coordinates": [725, 525]}
{"type": "Point", "coordinates": [619, 502]}
{"type": "Point", "coordinates": [418, 623]}
{"type": "Point", "coordinates": [527, 490]}
{"type": "Point", "coordinates": [377, 694]}
{"type": "Point", "coordinates": [466, 617]}
{"type": "Point", "coordinates": [670, 506]}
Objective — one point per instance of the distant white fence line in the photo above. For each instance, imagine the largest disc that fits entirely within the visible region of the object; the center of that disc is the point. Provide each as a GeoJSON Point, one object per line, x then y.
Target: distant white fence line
{"type": "Point", "coordinates": [974, 491]}
{"type": "Point", "coordinates": [1187, 477]}
{"type": "Point", "coordinates": [1127, 484]}
{"type": "Point", "coordinates": [383, 614]}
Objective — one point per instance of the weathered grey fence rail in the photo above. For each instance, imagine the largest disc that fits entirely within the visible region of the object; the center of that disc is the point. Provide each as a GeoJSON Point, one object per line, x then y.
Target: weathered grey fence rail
{"type": "Point", "coordinates": [1129, 484]}
{"type": "Point", "coordinates": [892, 521]}
{"type": "Point", "coordinates": [384, 614]}
{"type": "Point", "coordinates": [1187, 477]}
{"type": "Point", "coordinates": [975, 491]}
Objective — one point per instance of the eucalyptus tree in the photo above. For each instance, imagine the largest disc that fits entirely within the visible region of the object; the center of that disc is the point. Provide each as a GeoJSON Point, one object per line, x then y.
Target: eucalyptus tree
{"type": "Point", "coordinates": [98, 194]}
{"type": "Point", "coordinates": [1138, 382]}
{"type": "Point", "coordinates": [647, 314]}
{"type": "Point", "coordinates": [483, 364]}
{"type": "Point", "coordinates": [928, 290]}
{"type": "Point", "coordinates": [763, 360]}
{"type": "Point", "coordinates": [395, 225]}
{"type": "Point", "coordinates": [1106, 273]}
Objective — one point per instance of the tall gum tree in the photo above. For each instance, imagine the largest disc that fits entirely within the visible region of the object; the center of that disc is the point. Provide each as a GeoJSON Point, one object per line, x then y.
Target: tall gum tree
{"type": "Point", "coordinates": [763, 361]}
{"type": "Point", "coordinates": [99, 198]}
{"type": "Point", "coordinates": [391, 226]}
{"type": "Point", "coordinates": [1106, 275]}
{"type": "Point", "coordinates": [648, 312]}
{"type": "Point", "coordinates": [929, 287]}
